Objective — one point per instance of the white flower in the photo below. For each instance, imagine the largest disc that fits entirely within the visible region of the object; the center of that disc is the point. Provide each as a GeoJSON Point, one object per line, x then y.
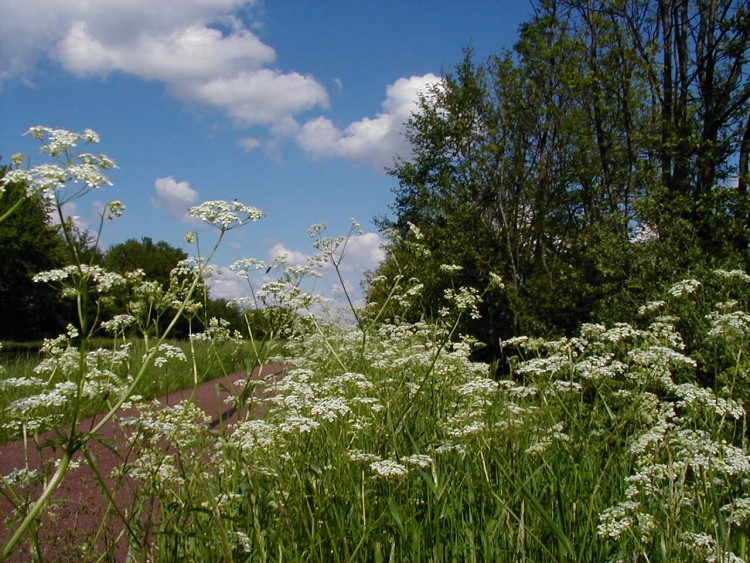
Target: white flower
{"type": "Point", "coordinates": [450, 268]}
{"type": "Point", "coordinates": [420, 460]}
{"type": "Point", "coordinates": [116, 209]}
{"type": "Point", "coordinates": [225, 215]}
{"type": "Point", "coordinates": [388, 468]}
{"type": "Point", "coordinates": [357, 455]}
{"type": "Point", "coordinates": [684, 287]}
{"type": "Point", "coordinates": [733, 274]}
{"type": "Point", "coordinates": [650, 307]}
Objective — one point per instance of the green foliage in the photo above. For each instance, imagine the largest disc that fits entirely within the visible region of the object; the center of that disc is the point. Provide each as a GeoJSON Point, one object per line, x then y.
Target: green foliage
{"type": "Point", "coordinates": [388, 442]}
{"type": "Point", "coordinates": [156, 260]}
{"type": "Point", "coordinates": [547, 164]}
{"type": "Point", "coordinates": [384, 439]}
{"type": "Point", "coordinates": [30, 244]}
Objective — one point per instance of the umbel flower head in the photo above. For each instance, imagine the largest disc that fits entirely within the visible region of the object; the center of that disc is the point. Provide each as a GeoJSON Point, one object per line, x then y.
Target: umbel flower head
{"type": "Point", "coordinates": [225, 215]}
{"type": "Point", "coordinates": [70, 166]}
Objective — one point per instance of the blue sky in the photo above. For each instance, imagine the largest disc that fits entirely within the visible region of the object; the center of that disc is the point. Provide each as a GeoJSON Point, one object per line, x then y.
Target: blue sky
{"type": "Point", "coordinates": [294, 107]}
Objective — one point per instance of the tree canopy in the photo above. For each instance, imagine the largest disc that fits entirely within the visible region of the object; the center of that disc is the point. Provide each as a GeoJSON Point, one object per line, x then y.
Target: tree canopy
{"type": "Point", "coordinates": [587, 167]}
{"type": "Point", "coordinates": [30, 245]}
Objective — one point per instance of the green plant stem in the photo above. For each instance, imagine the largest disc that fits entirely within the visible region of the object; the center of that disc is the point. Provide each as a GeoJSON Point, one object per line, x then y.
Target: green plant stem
{"type": "Point", "coordinates": [74, 443]}
{"type": "Point", "coordinates": [37, 507]}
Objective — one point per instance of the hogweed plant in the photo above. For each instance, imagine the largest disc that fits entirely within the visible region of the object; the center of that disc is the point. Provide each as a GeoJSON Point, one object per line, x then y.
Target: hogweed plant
{"type": "Point", "coordinates": [73, 373]}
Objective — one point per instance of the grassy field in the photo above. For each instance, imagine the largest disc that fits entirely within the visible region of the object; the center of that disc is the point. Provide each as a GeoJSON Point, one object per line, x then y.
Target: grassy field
{"type": "Point", "coordinates": [385, 442]}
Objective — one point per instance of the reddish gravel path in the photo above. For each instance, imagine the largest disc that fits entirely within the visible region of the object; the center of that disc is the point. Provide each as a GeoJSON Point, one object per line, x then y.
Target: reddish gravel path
{"type": "Point", "coordinates": [78, 504]}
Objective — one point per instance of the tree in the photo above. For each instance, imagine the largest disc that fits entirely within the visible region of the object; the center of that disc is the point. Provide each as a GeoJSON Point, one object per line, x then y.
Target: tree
{"type": "Point", "coordinates": [29, 310]}
{"type": "Point", "coordinates": [607, 119]}
{"type": "Point", "coordinates": [156, 260]}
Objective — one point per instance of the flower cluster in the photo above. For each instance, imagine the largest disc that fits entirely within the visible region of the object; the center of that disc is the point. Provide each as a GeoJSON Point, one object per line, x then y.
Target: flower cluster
{"type": "Point", "coordinates": [225, 215]}
{"type": "Point", "coordinates": [79, 168]}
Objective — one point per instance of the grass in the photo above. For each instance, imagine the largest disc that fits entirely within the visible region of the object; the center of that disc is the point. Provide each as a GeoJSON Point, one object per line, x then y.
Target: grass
{"type": "Point", "coordinates": [387, 443]}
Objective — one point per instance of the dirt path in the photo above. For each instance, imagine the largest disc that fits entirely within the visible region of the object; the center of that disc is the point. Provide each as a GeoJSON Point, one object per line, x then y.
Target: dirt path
{"type": "Point", "coordinates": [77, 507]}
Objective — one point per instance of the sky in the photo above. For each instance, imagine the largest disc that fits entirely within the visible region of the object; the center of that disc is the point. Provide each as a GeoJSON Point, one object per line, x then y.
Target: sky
{"type": "Point", "coordinates": [295, 107]}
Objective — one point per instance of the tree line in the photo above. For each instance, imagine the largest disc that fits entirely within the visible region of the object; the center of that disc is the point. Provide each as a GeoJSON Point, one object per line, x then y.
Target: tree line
{"type": "Point", "coordinates": [601, 158]}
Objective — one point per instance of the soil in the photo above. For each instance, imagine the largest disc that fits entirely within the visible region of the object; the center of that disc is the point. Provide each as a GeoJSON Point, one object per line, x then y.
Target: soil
{"type": "Point", "coordinates": [69, 530]}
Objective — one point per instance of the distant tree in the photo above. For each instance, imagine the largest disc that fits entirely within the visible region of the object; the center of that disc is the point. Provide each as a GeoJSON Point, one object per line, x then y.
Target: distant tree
{"type": "Point", "coordinates": [157, 260]}
{"type": "Point", "coordinates": [28, 310]}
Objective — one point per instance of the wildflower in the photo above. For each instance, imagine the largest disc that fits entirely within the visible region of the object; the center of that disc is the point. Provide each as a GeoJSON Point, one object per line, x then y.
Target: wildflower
{"type": "Point", "coordinates": [357, 455]}
{"type": "Point", "coordinates": [20, 382]}
{"type": "Point", "coordinates": [420, 460]}
{"type": "Point", "coordinates": [465, 299]}
{"type": "Point", "coordinates": [482, 387]}
{"type": "Point", "coordinates": [616, 520]}
{"type": "Point", "coordinates": [118, 323]}
{"type": "Point", "coordinates": [496, 281]}
{"type": "Point", "coordinates": [684, 287]}
{"type": "Point", "coordinates": [299, 424]}
{"type": "Point", "coordinates": [415, 231]}
{"type": "Point", "coordinates": [225, 215]}
{"type": "Point", "coordinates": [739, 511]}
{"type": "Point", "coordinates": [250, 435]}
{"type": "Point", "coordinates": [733, 274]}
{"type": "Point", "coordinates": [242, 541]}
{"type": "Point", "coordinates": [116, 209]}
{"type": "Point", "coordinates": [356, 227]}
{"type": "Point", "coordinates": [165, 353]}
{"type": "Point", "coordinates": [650, 307]}
{"type": "Point", "coordinates": [388, 468]}
{"type": "Point", "coordinates": [330, 408]}
{"type": "Point", "coordinates": [735, 324]}
{"type": "Point", "coordinates": [104, 280]}
{"type": "Point", "coordinates": [450, 268]}
{"type": "Point", "coordinates": [643, 233]}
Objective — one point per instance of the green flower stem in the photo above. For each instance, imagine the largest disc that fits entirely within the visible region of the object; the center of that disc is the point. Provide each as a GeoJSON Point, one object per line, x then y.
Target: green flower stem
{"type": "Point", "coordinates": [40, 503]}
{"type": "Point", "coordinates": [74, 443]}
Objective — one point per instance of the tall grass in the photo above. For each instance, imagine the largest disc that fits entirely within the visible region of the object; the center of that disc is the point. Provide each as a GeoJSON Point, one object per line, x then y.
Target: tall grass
{"type": "Point", "coordinates": [384, 441]}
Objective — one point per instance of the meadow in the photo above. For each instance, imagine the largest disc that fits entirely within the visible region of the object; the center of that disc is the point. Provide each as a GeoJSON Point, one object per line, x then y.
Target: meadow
{"type": "Point", "coordinates": [385, 441]}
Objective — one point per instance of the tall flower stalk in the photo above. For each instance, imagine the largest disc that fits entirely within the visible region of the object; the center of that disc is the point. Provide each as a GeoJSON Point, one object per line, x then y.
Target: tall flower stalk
{"type": "Point", "coordinates": [71, 175]}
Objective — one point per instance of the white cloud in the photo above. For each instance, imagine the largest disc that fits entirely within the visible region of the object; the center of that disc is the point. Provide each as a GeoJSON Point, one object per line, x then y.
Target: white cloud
{"type": "Point", "coordinates": [375, 140]}
{"type": "Point", "coordinates": [196, 53]}
{"type": "Point", "coordinates": [200, 49]}
{"type": "Point", "coordinates": [176, 197]}
{"type": "Point", "coordinates": [293, 257]}
{"type": "Point", "coordinates": [363, 252]}
{"type": "Point", "coordinates": [263, 96]}
{"type": "Point", "coordinates": [225, 284]}
{"type": "Point", "coordinates": [248, 144]}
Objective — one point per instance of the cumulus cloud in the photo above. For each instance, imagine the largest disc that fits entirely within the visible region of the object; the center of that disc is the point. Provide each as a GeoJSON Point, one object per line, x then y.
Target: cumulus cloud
{"type": "Point", "coordinates": [225, 284]}
{"type": "Point", "coordinates": [176, 197]}
{"type": "Point", "coordinates": [206, 54]}
{"type": "Point", "coordinates": [264, 96]}
{"type": "Point", "coordinates": [200, 49]}
{"type": "Point", "coordinates": [375, 140]}
{"type": "Point", "coordinates": [293, 257]}
{"type": "Point", "coordinates": [363, 252]}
